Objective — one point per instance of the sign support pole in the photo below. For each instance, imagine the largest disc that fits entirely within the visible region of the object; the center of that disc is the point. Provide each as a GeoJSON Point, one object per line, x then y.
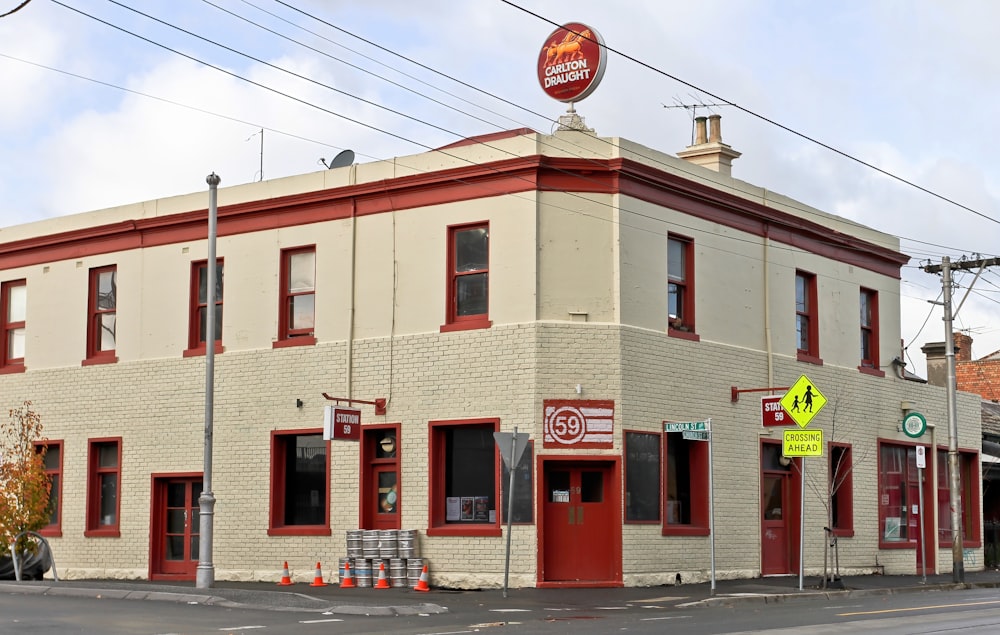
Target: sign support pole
{"type": "Point", "coordinates": [711, 504]}
{"type": "Point", "coordinates": [802, 524]}
{"type": "Point", "coordinates": [510, 510]}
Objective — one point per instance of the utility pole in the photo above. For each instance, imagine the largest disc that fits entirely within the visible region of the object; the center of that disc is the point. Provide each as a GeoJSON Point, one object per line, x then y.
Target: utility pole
{"type": "Point", "coordinates": [954, 473]}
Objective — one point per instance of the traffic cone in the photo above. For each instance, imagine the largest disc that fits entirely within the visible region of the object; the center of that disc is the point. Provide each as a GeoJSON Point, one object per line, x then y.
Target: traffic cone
{"type": "Point", "coordinates": [286, 580]}
{"type": "Point", "coordinates": [318, 579]}
{"type": "Point", "coordinates": [422, 582]}
{"type": "Point", "coordinates": [383, 582]}
{"type": "Point", "coordinates": [348, 581]}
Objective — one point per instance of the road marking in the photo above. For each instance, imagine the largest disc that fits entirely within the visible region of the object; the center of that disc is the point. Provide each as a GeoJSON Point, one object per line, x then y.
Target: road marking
{"type": "Point", "coordinates": [511, 610]}
{"type": "Point", "coordinates": [920, 608]}
{"type": "Point", "coordinates": [610, 608]}
{"type": "Point", "coordinates": [446, 633]}
{"type": "Point", "coordinates": [671, 617]}
{"type": "Point", "coordinates": [242, 628]}
{"type": "Point", "coordinates": [318, 621]}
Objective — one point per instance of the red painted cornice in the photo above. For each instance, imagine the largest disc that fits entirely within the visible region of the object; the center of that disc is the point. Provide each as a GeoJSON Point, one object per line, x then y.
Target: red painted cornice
{"type": "Point", "coordinates": [498, 178]}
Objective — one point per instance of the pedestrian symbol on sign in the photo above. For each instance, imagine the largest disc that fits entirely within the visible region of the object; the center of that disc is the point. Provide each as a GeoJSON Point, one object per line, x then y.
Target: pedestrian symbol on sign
{"type": "Point", "coordinates": [803, 401]}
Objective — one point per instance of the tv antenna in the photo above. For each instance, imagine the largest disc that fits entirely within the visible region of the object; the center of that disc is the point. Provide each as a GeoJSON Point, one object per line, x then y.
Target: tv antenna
{"type": "Point", "coordinates": [343, 159]}
{"type": "Point", "coordinates": [693, 108]}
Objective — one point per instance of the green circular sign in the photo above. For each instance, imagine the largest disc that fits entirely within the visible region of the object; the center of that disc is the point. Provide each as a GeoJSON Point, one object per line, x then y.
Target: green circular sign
{"type": "Point", "coordinates": [914, 425]}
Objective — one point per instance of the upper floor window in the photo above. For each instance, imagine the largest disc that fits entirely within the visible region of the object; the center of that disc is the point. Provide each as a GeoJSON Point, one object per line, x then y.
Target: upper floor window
{"type": "Point", "coordinates": [468, 277]}
{"type": "Point", "coordinates": [806, 318]}
{"type": "Point", "coordinates": [297, 318]}
{"type": "Point", "coordinates": [13, 304]}
{"type": "Point", "coordinates": [198, 326]}
{"type": "Point", "coordinates": [680, 285]}
{"type": "Point", "coordinates": [103, 487]}
{"type": "Point", "coordinates": [101, 314]}
{"type": "Point", "coordinates": [869, 331]}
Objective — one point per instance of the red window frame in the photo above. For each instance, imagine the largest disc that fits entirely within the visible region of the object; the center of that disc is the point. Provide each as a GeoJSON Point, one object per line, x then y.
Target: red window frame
{"type": "Point", "coordinates": [9, 364]}
{"type": "Point", "coordinates": [95, 318]}
{"type": "Point", "coordinates": [806, 300]}
{"type": "Point", "coordinates": [682, 325]}
{"type": "Point", "coordinates": [288, 336]}
{"type": "Point", "coordinates": [95, 528]}
{"type": "Point", "coordinates": [454, 321]}
{"type": "Point", "coordinates": [195, 336]}
{"type": "Point", "coordinates": [971, 506]}
{"type": "Point", "coordinates": [279, 471]}
{"type": "Point", "coordinates": [842, 498]}
{"type": "Point", "coordinates": [869, 321]}
{"type": "Point", "coordinates": [696, 454]}
{"type": "Point", "coordinates": [438, 526]}
{"type": "Point", "coordinates": [55, 476]}
{"type": "Point", "coordinates": [658, 482]}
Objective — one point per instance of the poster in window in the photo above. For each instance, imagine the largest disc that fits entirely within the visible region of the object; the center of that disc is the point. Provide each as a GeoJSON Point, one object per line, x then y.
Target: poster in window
{"type": "Point", "coordinates": [482, 508]}
{"type": "Point", "coordinates": [468, 504]}
{"type": "Point", "coordinates": [452, 508]}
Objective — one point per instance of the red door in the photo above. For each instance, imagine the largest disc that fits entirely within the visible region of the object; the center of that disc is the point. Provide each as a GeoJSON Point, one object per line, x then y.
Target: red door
{"type": "Point", "coordinates": [582, 525]}
{"type": "Point", "coordinates": [176, 527]}
{"type": "Point", "coordinates": [779, 511]}
{"type": "Point", "coordinates": [380, 478]}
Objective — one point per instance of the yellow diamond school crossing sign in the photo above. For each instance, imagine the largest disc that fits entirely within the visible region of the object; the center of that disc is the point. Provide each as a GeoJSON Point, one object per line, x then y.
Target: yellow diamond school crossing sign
{"type": "Point", "coordinates": [803, 401]}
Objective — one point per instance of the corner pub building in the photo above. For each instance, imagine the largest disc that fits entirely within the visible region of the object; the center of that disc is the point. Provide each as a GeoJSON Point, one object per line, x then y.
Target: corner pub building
{"type": "Point", "coordinates": [586, 290]}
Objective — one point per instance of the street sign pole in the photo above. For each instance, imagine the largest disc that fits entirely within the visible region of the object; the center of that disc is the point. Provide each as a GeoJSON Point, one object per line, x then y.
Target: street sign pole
{"type": "Point", "coordinates": [510, 508]}
{"type": "Point", "coordinates": [711, 506]}
{"type": "Point", "coordinates": [802, 523]}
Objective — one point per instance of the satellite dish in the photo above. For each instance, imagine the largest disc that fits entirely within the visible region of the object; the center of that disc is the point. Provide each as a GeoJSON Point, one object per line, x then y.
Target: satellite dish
{"type": "Point", "coordinates": [343, 159]}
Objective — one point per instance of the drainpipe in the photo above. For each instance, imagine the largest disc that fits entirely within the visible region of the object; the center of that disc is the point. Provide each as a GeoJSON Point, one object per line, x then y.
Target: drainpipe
{"type": "Point", "coordinates": [350, 311]}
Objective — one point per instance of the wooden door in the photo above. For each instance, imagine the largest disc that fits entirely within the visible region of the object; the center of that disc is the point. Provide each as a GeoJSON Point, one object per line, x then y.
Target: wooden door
{"type": "Point", "coordinates": [580, 521]}
{"type": "Point", "coordinates": [177, 527]}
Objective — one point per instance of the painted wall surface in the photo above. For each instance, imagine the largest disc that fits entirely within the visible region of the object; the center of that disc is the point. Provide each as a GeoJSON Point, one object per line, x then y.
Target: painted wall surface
{"type": "Point", "coordinates": [577, 298]}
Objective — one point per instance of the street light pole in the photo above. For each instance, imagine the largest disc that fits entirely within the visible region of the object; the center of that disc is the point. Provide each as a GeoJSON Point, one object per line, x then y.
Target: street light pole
{"type": "Point", "coordinates": [205, 574]}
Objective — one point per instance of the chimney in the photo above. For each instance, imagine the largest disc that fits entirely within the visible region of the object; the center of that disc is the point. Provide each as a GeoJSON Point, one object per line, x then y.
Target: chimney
{"type": "Point", "coordinates": [937, 364]}
{"type": "Point", "coordinates": [963, 347]}
{"type": "Point", "coordinates": [710, 153]}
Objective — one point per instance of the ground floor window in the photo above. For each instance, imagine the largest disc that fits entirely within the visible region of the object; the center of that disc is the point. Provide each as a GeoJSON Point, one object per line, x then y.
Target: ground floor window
{"type": "Point", "coordinates": [841, 486]}
{"type": "Point", "coordinates": [968, 469]}
{"type": "Point", "coordinates": [103, 487]}
{"type": "Point", "coordinates": [53, 470]}
{"type": "Point", "coordinates": [685, 485]}
{"type": "Point", "coordinates": [642, 477]}
{"type": "Point", "coordinates": [464, 469]}
{"type": "Point", "coordinates": [300, 483]}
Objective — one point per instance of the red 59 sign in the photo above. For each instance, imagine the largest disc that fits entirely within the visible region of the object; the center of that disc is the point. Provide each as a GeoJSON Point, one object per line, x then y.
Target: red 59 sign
{"type": "Point", "coordinates": [574, 423]}
{"type": "Point", "coordinates": [341, 423]}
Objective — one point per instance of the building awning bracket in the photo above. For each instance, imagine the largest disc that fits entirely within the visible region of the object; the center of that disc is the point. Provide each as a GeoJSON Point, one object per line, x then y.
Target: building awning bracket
{"type": "Point", "coordinates": [379, 403]}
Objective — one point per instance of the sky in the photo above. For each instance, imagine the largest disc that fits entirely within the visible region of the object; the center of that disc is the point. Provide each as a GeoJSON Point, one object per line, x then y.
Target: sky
{"type": "Point", "coordinates": [102, 105]}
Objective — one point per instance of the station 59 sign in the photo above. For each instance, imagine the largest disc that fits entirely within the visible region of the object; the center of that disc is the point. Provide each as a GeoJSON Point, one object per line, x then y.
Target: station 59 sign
{"type": "Point", "coordinates": [578, 423]}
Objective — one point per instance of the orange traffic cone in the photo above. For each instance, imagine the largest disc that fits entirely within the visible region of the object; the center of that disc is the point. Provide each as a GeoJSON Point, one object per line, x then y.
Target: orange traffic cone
{"type": "Point", "coordinates": [383, 582]}
{"type": "Point", "coordinates": [348, 581]}
{"type": "Point", "coordinates": [286, 580]}
{"type": "Point", "coordinates": [422, 582]}
{"type": "Point", "coordinates": [318, 579]}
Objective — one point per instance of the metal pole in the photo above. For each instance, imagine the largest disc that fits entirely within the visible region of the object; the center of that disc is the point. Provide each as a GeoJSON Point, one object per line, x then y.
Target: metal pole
{"type": "Point", "coordinates": [802, 523]}
{"type": "Point", "coordinates": [711, 503]}
{"type": "Point", "coordinates": [935, 522]}
{"type": "Point", "coordinates": [923, 535]}
{"type": "Point", "coordinates": [205, 573]}
{"type": "Point", "coordinates": [954, 477]}
{"type": "Point", "coordinates": [510, 509]}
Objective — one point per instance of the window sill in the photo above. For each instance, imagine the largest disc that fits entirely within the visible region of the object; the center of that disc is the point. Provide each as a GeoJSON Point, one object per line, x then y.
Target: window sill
{"type": "Point", "coordinates": [294, 341]}
{"type": "Point", "coordinates": [464, 530]}
{"type": "Point", "coordinates": [902, 544]}
{"type": "Point", "coordinates": [199, 351]}
{"type": "Point", "coordinates": [13, 368]}
{"type": "Point", "coordinates": [466, 325]}
{"type": "Point", "coordinates": [94, 361]}
{"type": "Point", "coordinates": [51, 532]}
{"type": "Point", "coordinates": [843, 533]}
{"type": "Point", "coordinates": [809, 359]}
{"type": "Point", "coordinates": [684, 335]}
{"type": "Point", "coordinates": [300, 530]}
{"type": "Point", "coordinates": [684, 530]}
{"type": "Point", "coordinates": [111, 532]}
{"type": "Point", "coordinates": [874, 372]}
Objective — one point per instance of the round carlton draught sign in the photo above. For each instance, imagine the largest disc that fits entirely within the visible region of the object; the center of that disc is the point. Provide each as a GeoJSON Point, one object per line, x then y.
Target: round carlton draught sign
{"type": "Point", "coordinates": [571, 63]}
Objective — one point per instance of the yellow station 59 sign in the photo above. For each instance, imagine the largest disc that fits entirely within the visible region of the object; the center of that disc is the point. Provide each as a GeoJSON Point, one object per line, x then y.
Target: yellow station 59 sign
{"type": "Point", "coordinates": [803, 401]}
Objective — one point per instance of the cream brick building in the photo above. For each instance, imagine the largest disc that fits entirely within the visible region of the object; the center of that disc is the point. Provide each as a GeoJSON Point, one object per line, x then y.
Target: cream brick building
{"type": "Point", "coordinates": [584, 290]}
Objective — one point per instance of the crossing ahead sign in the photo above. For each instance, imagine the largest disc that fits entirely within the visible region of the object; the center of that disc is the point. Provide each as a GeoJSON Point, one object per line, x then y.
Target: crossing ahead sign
{"type": "Point", "coordinates": [803, 401]}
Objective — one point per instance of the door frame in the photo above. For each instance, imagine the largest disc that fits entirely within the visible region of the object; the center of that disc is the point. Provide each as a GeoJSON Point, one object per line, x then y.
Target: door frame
{"type": "Point", "coordinates": [368, 465]}
{"type": "Point", "coordinates": [613, 462]}
{"type": "Point", "coordinates": [157, 506]}
{"type": "Point", "coordinates": [792, 518]}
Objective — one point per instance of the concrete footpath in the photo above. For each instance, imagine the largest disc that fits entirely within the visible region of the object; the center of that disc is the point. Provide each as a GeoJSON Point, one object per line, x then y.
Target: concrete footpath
{"type": "Point", "coordinates": [400, 601]}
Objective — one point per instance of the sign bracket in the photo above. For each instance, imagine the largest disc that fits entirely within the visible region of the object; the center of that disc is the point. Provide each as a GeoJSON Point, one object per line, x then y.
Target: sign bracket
{"type": "Point", "coordinates": [734, 392]}
{"type": "Point", "coordinates": [378, 403]}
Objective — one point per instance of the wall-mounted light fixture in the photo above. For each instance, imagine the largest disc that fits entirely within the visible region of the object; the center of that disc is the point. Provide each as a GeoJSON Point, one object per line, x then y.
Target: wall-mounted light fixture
{"type": "Point", "coordinates": [298, 403]}
{"type": "Point", "coordinates": [579, 389]}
